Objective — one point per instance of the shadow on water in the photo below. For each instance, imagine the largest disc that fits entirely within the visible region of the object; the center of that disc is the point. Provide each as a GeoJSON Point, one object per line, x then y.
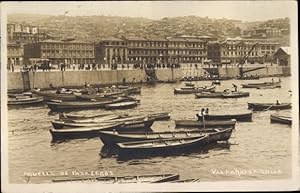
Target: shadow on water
{"type": "Point", "coordinates": [114, 152]}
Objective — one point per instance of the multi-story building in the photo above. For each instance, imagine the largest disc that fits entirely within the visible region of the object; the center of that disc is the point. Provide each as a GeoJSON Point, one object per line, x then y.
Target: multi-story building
{"type": "Point", "coordinates": [111, 51]}
{"type": "Point", "coordinates": [147, 50]}
{"type": "Point", "coordinates": [187, 50]}
{"type": "Point", "coordinates": [15, 53]}
{"type": "Point", "coordinates": [154, 50]}
{"type": "Point", "coordinates": [24, 34]}
{"type": "Point", "coordinates": [61, 52]}
{"type": "Point", "coordinates": [234, 50]}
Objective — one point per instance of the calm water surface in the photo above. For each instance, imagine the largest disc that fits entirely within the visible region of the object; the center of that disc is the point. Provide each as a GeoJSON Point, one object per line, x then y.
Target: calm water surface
{"type": "Point", "coordinates": [259, 149]}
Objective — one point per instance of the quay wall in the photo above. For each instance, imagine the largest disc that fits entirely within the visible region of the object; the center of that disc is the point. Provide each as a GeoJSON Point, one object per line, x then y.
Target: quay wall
{"type": "Point", "coordinates": [78, 78]}
{"type": "Point", "coordinates": [267, 71]}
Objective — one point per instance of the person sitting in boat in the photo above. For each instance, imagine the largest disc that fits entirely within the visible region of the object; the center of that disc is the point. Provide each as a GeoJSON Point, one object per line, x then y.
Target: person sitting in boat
{"type": "Point", "coordinates": [206, 111]}
{"type": "Point", "coordinates": [201, 112]}
{"type": "Point", "coordinates": [235, 87]}
{"type": "Point", "coordinates": [277, 102]}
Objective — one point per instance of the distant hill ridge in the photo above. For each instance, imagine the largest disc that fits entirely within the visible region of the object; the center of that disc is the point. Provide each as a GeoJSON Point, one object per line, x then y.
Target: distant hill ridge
{"type": "Point", "coordinates": [94, 28]}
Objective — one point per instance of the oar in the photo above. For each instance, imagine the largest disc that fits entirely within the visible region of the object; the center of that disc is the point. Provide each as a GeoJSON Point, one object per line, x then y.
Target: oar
{"type": "Point", "coordinates": [268, 108]}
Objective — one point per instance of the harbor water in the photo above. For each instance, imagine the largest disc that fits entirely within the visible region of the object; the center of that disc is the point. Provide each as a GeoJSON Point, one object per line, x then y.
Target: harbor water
{"type": "Point", "coordinates": [257, 150]}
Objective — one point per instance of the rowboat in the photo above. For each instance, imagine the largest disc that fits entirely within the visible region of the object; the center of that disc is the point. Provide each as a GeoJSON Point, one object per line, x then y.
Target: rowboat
{"type": "Point", "coordinates": [257, 85]}
{"type": "Point", "coordinates": [82, 116]}
{"type": "Point", "coordinates": [269, 86]}
{"type": "Point", "coordinates": [235, 94]}
{"type": "Point", "coordinates": [62, 106]}
{"type": "Point", "coordinates": [162, 146]}
{"type": "Point", "coordinates": [94, 119]}
{"type": "Point", "coordinates": [247, 116]}
{"type": "Point", "coordinates": [157, 178]}
{"type": "Point", "coordinates": [268, 106]}
{"type": "Point", "coordinates": [19, 95]}
{"type": "Point", "coordinates": [25, 101]}
{"type": "Point", "coordinates": [131, 125]}
{"type": "Point", "coordinates": [192, 180]}
{"type": "Point", "coordinates": [281, 119]}
{"type": "Point", "coordinates": [121, 105]}
{"type": "Point", "coordinates": [192, 90]}
{"type": "Point", "coordinates": [207, 124]}
{"type": "Point", "coordinates": [53, 96]}
{"type": "Point", "coordinates": [84, 132]}
{"type": "Point", "coordinates": [68, 105]}
{"type": "Point", "coordinates": [209, 95]}
{"type": "Point", "coordinates": [113, 137]}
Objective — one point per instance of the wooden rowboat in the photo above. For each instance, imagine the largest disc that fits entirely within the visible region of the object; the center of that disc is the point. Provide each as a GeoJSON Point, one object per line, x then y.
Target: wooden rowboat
{"type": "Point", "coordinates": [257, 85]}
{"type": "Point", "coordinates": [129, 125]}
{"type": "Point", "coordinates": [209, 95]}
{"type": "Point", "coordinates": [25, 101]}
{"type": "Point", "coordinates": [84, 132]}
{"type": "Point", "coordinates": [193, 90]}
{"type": "Point", "coordinates": [239, 116]}
{"type": "Point", "coordinates": [121, 105]}
{"type": "Point", "coordinates": [269, 86]}
{"type": "Point", "coordinates": [82, 116]}
{"type": "Point", "coordinates": [268, 106]}
{"type": "Point", "coordinates": [113, 137]}
{"type": "Point", "coordinates": [53, 96]}
{"type": "Point", "coordinates": [235, 94]}
{"type": "Point", "coordinates": [157, 178]}
{"type": "Point", "coordinates": [208, 124]}
{"type": "Point", "coordinates": [162, 146]}
{"type": "Point", "coordinates": [281, 119]}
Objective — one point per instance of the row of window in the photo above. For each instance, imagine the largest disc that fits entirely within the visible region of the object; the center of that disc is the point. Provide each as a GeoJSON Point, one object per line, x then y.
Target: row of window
{"type": "Point", "coordinates": [244, 53]}
{"type": "Point", "coordinates": [67, 46]}
{"type": "Point", "coordinates": [164, 52]}
{"type": "Point", "coordinates": [249, 47]}
{"type": "Point", "coordinates": [182, 58]}
{"type": "Point", "coordinates": [68, 51]}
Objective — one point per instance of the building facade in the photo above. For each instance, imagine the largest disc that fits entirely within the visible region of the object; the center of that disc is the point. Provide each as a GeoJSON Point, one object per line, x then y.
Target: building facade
{"type": "Point", "coordinates": [15, 53]}
{"type": "Point", "coordinates": [235, 50]}
{"type": "Point", "coordinates": [153, 50]}
{"type": "Point", "coordinates": [111, 51]}
{"type": "Point", "coordinates": [24, 34]}
{"type": "Point", "coordinates": [61, 52]}
{"type": "Point", "coordinates": [283, 56]}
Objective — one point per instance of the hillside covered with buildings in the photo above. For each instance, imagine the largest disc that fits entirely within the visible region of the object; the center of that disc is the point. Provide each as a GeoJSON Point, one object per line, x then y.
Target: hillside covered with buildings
{"type": "Point", "coordinates": [94, 28]}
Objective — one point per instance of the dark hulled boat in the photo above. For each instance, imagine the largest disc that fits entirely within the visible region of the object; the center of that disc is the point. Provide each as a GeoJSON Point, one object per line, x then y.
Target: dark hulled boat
{"type": "Point", "coordinates": [113, 137]}
{"type": "Point", "coordinates": [268, 106]}
{"type": "Point", "coordinates": [192, 90]}
{"type": "Point", "coordinates": [257, 85]}
{"type": "Point", "coordinates": [82, 116]}
{"type": "Point", "coordinates": [207, 124]}
{"type": "Point", "coordinates": [162, 146]}
{"type": "Point", "coordinates": [235, 94]}
{"type": "Point", "coordinates": [239, 116]}
{"type": "Point", "coordinates": [122, 105]}
{"type": "Point", "coordinates": [129, 124]}
{"type": "Point", "coordinates": [281, 119]}
{"type": "Point", "coordinates": [48, 96]}
{"type": "Point", "coordinates": [157, 178]}
{"type": "Point", "coordinates": [84, 132]}
{"type": "Point", "coordinates": [24, 101]}
{"type": "Point", "coordinates": [209, 95]}
{"type": "Point", "coordinates": [269, 86]}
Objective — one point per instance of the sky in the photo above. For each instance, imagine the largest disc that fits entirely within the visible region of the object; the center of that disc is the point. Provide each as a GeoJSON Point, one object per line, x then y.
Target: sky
{"type": "Point", "coordinates": [240, 10]}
